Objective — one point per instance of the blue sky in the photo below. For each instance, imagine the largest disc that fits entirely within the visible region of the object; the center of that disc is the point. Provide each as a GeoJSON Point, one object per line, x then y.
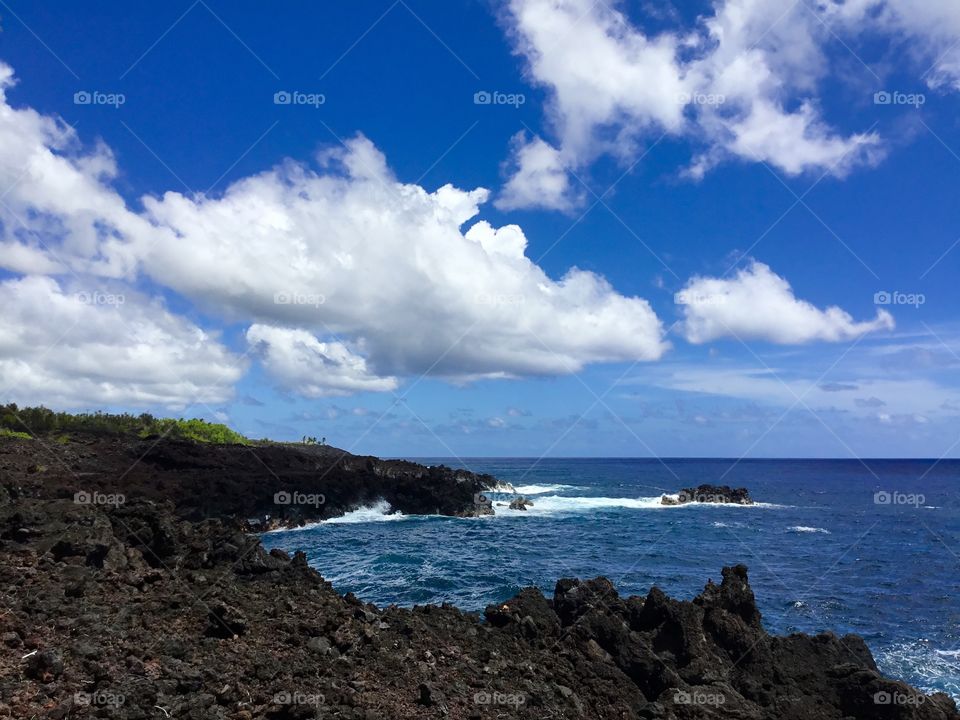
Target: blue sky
{"type": "Point", "coordinates": [201, 249]}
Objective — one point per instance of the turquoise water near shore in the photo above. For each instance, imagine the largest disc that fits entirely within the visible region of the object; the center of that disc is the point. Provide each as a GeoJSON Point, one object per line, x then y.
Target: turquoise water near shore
{"type": "Point", "coordinates": [867, 547]}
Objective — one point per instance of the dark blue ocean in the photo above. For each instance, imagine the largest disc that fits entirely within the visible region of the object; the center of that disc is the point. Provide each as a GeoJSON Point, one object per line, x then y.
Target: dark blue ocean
{"type": "Point", "coordinates": [871, 548]}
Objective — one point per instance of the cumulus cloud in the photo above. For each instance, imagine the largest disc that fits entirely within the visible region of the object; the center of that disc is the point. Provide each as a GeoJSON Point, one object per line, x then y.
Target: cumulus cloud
{"type": "Point", "coordinates": [538, 179]}
{"type": "Point", "coordinates": [742, 82]}
{"type": "Point", "coordinates": [90, 347]}
{"type": "Point", "coordinates": [347, 279]}
{"type": "Point", "coordinates": [600, 69]}
{"type": "Point", "coordinates": [313, 368]}
{"type": "Point", "coordinates": [356, 254]}
{"type": "Point", "coordinates": [793, 142]}
{"type": "Point", "coordinates": [57, 194]}
{"type": "Point", "coordinates": [360, 278]}
{"type": "Point", "coordinates": [759, 304]}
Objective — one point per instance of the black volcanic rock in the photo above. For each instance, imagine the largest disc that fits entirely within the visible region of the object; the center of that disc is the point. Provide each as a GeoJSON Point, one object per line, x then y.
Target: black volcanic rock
{"type": "Point", "coordinates": [529, 613]}
{"type": "Point", "coordinates": [189, 618]}
{"type": "Point", "coordinates": [520, 503]}
{"type": "Point", "coordinates": [710, 494]}
{"type": "Point", "coordinates": [264, 486]}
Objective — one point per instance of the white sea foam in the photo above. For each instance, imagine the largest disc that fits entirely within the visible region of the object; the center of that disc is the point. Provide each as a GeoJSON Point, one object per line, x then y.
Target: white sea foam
{"type": "Point", "coordinates": [806, 529]}
{"type": "Point", "coordinates": [681, 506]}
{"type": "Point", "coordinates": [308, 526]}
{"type": "Point", "coordinates": [378, 512]}
{"type": "Point", "coordinates": [554, 504]}
{"type": "Point", "coordinates": [540, 489]}
{"type": "Point", "coordinates": [676, 496]}
{"type": "Point", "coordinates": [558, 503]}
{"type": "Point", "coordinates": [929, 669]}
{"type": "Point", "coordinates": [542, 505]}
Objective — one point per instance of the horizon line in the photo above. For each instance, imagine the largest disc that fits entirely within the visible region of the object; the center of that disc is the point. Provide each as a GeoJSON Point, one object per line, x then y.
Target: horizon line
{"type": "Point", "coordinates": [665, 458]}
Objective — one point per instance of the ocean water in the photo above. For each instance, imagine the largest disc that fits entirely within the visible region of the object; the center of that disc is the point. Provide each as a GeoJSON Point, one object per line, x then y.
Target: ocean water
{"type": "Point", "coordinates": [871, 548]}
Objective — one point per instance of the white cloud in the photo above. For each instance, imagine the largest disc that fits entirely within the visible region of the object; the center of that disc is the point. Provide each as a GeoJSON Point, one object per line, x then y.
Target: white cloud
{"type": "Point", "coordinates": [360, 277]}
{"type": "Point", "coordinates": [396, 273]}
{"type": "Point", "coordinates": [742, 82]}
{"type": "Point", "coordinates": [794, 142]}
{"type": "Point", "coordinates": [600, 70]}
{"type": "Point", "coordinates": [608, 83]}
{"type": "Point", "coordinates": [56, 195]}
{"type": "Point", "coordinates": [786, 386]}
{"type": "Point", "coordinates": [91, 347]}
{"type": "Point", "coordinates": [931, 28]}
{"type": "Point", "coordinates": [313, 368]}
{"type": "Point", "coordinates": [539, 178]}
{"type": "Point", "coordinates": [348, 278]}
{"type": "Point", "coordinates": [759, 304]}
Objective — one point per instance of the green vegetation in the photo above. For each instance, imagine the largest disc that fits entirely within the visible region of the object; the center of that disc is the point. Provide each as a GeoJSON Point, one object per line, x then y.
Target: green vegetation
{"type": "Point", "coordinates": [33, 421]}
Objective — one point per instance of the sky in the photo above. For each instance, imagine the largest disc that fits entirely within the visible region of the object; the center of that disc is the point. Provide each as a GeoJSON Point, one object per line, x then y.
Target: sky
{"type": "Point", "coordinates": [496, 228]}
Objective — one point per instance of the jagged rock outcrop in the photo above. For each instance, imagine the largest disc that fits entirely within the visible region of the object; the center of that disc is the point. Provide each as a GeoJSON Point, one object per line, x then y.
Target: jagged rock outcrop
{"type": "Point", "coordinates": [520, 503]}
{"type": "Point", "coordinates": [131, 611]}
{"type": "Point", "coordinates": [709, 494]}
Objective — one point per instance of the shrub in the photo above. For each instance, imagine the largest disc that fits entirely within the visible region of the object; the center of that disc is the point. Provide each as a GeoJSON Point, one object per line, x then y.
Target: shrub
{"type": "Point", "coordinates": [34, 421]}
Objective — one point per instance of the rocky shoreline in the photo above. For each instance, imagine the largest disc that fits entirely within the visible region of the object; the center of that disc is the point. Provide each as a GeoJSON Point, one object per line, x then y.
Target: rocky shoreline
{"type": "Point", "coordinates": [160, 606]}
{"type": "Point", "coordinates": [261, 487]}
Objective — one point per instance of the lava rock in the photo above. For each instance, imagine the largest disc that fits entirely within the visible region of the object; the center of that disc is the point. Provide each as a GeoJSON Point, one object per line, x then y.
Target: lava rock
{"type": "Point", "coordinates": [520, 503]}
{"type": "Point", "coordinates": [722, 494]}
